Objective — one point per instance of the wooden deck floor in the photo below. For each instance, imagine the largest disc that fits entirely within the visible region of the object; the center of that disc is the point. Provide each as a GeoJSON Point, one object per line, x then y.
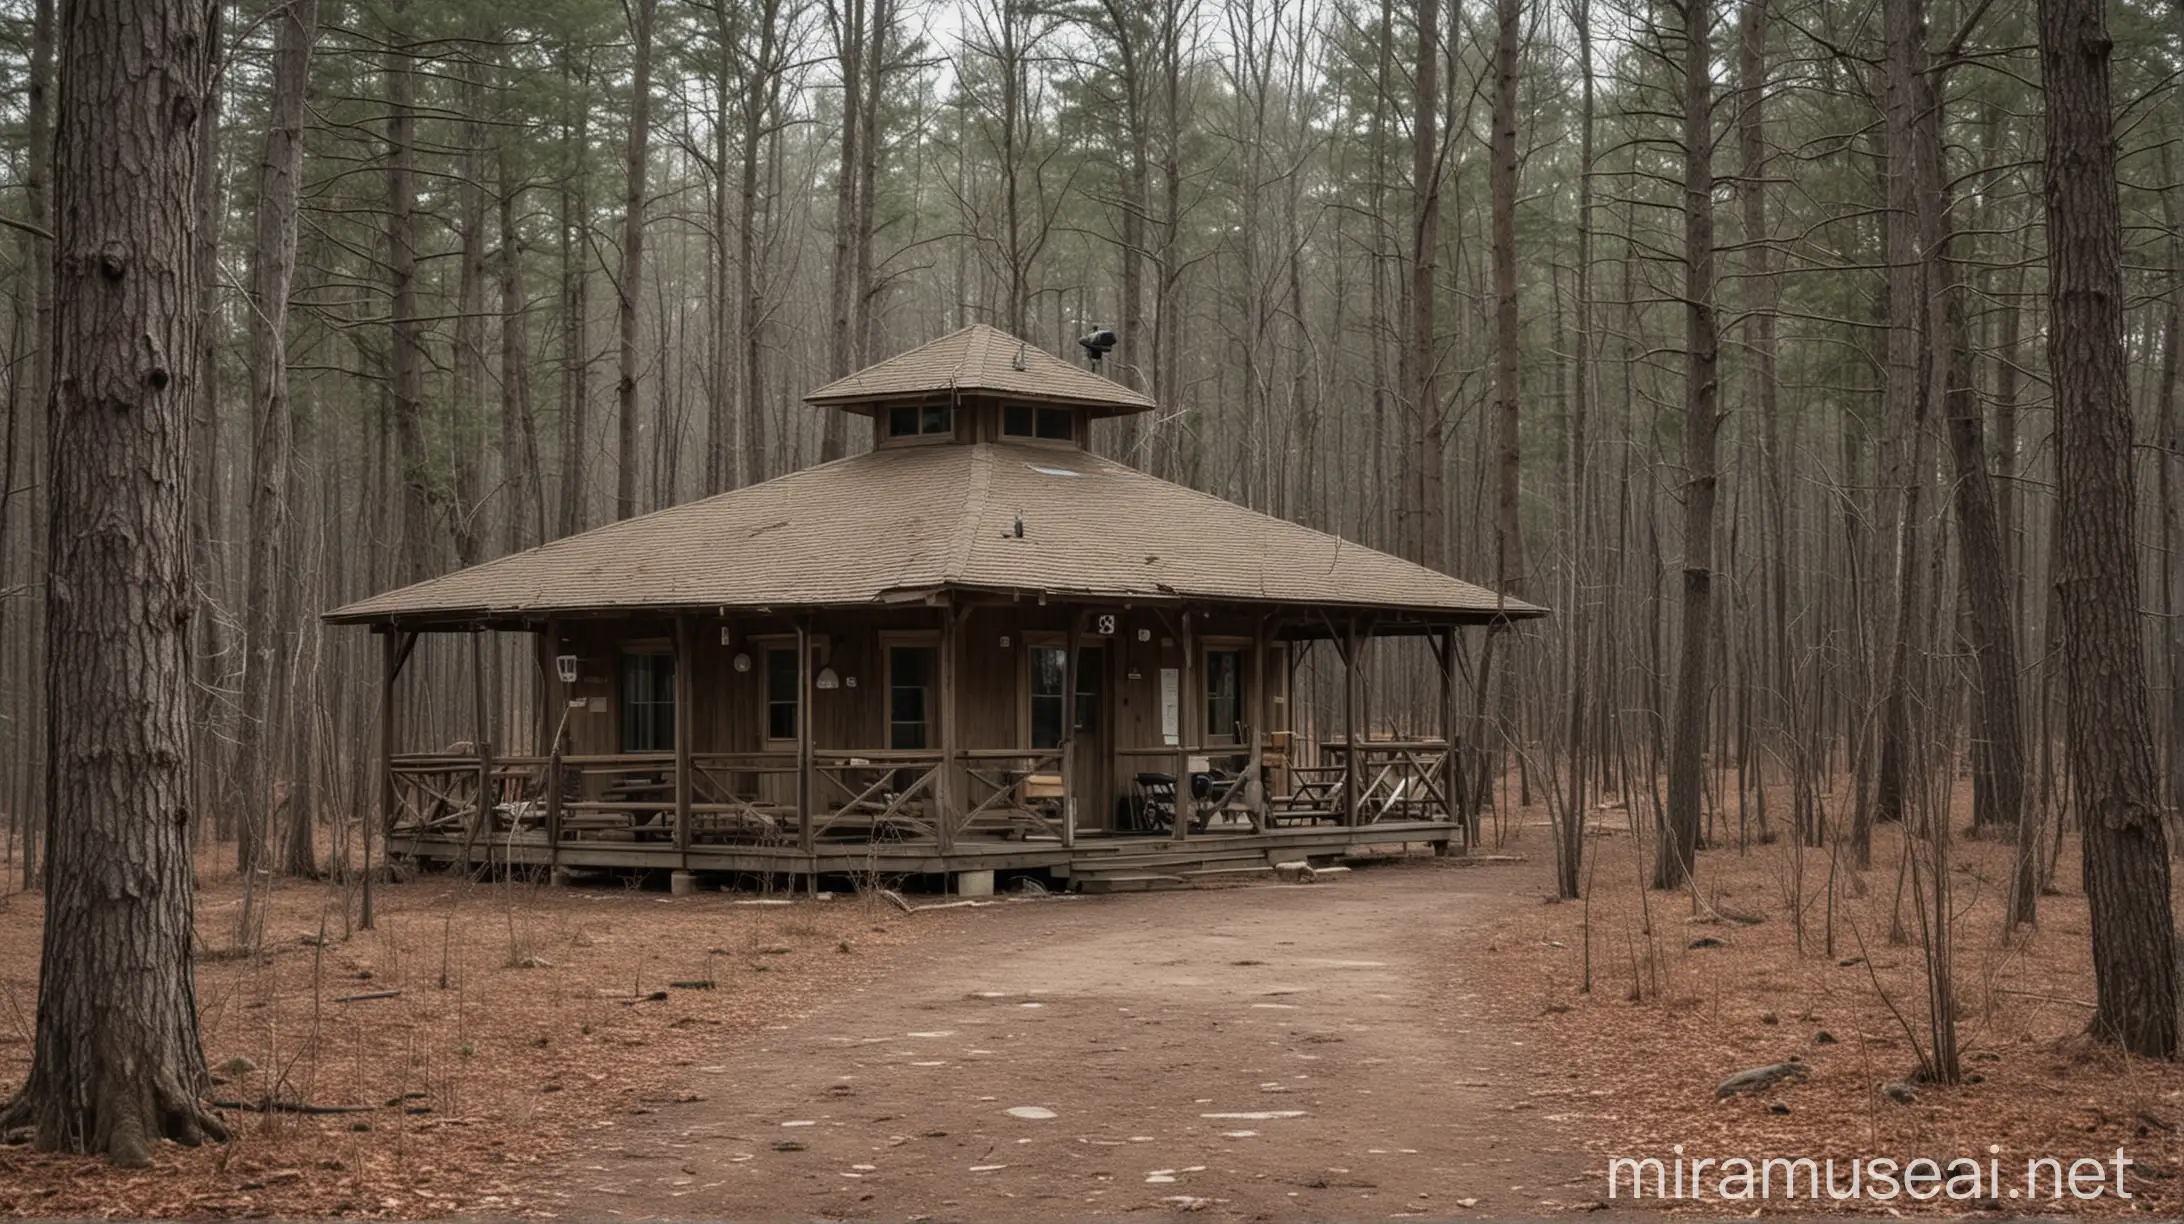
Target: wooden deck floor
{"type": "Point", "coordinates": [1093, 855]}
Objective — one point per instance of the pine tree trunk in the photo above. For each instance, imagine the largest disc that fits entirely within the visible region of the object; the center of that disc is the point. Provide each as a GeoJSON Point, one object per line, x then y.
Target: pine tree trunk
{"type": "Point", "coordinates": [576, 233]}
{"type": "Point", "coordinates": [841, 340]}
{"type": "Point", "coordinates": [466, 403]}
{"type": "Point", "coordinates": [760, 100]}
{"type": "Point", "coordinates": [31, 398]}
{"type": "Point", "coordinates": [630, 284]}
{"type": "Point", "coordinates": [2114, 777]}
{"type": "Point", "coordinates": [1508, 542]}
{"type": "Point", "coordinates": [118, 1064]}
{"type": "Point", "coordinates": [1429, 537]}
{"type": "Point", "coordinates": [406, 368]}
{"type": "Point", "coordinates": [1679, 842]}
{"type": "Point", "coordinates": [273, 271]}
{"type": "Point", "coordinates": [526, 515]}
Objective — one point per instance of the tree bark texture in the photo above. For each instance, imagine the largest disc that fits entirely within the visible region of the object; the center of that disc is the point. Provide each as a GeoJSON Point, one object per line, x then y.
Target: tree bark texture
{"type": "Point", "coordinates": [2114, 779]}
{"type": "Point", "coordinates": [1679, 841]}
{"type": "Point", "coordinates": [273, 270]}
{"type": "Point", "coordinates": [118, 1064]}
{"type": "Point", "coordinates": [632, 279]}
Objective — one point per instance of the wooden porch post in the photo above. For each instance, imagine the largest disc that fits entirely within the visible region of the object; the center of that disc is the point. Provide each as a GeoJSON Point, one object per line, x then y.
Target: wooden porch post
{"type": "Point", "coordinates": [482, 820]}
{"type": "Point", "coordinates": [1255, 784]}
{"type": "Point", "coordinates": [1350, 790]}
{"type": "Point", "coordinates": [685, 719]}
{"type": "Point", "coordinates": [944, 788]}
{"type": "Point", "coordinates": [1450, 779]}
{"type": "Point", "coordinates": [556, 717]}
{"type": "Point", "coordinates": [390, 662]}
{"type": "Point", "coordinates": [1069, 727]}
{"type": "Point", "coordinates": [805, 792]}
{"type": "Point", "coordinates": [1184, 804]}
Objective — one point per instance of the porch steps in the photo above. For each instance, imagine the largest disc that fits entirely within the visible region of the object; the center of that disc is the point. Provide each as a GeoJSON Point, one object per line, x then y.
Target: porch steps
{"type": "Point", "coordinates": [1143, 870]}
{"type": "Point", "coordinates": [1129, 881]}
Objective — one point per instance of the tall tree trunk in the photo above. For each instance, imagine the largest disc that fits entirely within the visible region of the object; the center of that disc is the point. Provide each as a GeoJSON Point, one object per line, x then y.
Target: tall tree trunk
{"type": "Point", "coordinates": [2114, 778]}
{"type": "Point", "coordinates": [1904, 404]}
{"type": "Point", "coordinates": [118, 1064]}
{"type": "Point", "coordinates": [849, 36]}
{"type": "Point", "coordinates": [526, 515]}
{"type": "Point", "coordinates": [1999, 717]}
{"type": "Point", "coordinates": [2172, 512]}
{"type": "Point", "coordinates": [466, 404]}
{"type": "Point", "coordinates": [407, 353]}
{"type": "Point", "coordinates": [38, 254]}
{"type": "Point", "coordinates": [1508, 542]}
{"type": "Point", "coordinates": [867, 289]}
{"type": "Point", "coordinates": [1428, 446]}
{"type": "Point", "coordinates": [1137, 204]}
{"type": "Point", "coordinates": [728, 37]}
{"type": "Point", "coordinates": [1679, 841]}
{"type": "Point", "coordinates": [761, 100]}
{"type": "Point", "coordinates": [1570, 862]}
{"type": "Point", "coordinates": [575, 236]}
{"type": "Point", "coordinates": [208, 512]}
{"type": "Point", "coordinates": [1764, 295]}
{"type": "Point", "coordinates": [631, 282]}
{"type": "Point", "coordinates": [273, 271]}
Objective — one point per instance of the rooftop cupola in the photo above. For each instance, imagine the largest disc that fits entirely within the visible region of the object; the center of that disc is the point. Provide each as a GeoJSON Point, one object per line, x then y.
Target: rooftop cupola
{"type": "Point", "coordinates": [979, 384]}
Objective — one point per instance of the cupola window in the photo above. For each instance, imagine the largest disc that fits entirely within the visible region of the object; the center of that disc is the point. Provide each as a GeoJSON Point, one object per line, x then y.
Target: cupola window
{"type": "Point", "coordinates": [911, 420]}
{"type": "Point", "coordinates": [1026, 421]}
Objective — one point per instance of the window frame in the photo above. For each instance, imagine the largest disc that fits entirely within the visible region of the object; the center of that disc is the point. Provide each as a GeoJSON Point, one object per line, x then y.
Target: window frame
{"type": "Point", "coordinates": [767, 646]}
{"type": "Point", "coordinates": [625, 704]}
{"type": "Point", "coordinates": [1039, 414]}
{"type": "Point", "coordinates": [917, 639]}
{"type": "Point", "coordinates": [1209, 647]}
{"type": "Point", "coordinates": [922, 435]}
{"type": "Point", "coordinates": [1059, 643]}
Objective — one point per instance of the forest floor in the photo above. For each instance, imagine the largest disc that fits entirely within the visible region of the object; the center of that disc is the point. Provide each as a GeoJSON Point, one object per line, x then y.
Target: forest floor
{"type": "Point", "coordinates": [1418, 1035]}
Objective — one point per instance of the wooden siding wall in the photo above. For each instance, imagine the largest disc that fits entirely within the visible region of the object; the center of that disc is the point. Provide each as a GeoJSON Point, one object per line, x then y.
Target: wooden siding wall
{"type": "Point", "coordinates": [730, 711]}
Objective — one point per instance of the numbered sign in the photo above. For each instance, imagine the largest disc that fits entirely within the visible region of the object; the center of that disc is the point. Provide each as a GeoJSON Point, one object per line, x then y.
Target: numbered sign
{"type": "Point", "coordinates": [1104, 624]}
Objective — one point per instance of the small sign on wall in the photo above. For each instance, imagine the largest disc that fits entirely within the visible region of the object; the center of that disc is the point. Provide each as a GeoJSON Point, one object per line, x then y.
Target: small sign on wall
{"type": "Point", "coordinates": [1171, 706]}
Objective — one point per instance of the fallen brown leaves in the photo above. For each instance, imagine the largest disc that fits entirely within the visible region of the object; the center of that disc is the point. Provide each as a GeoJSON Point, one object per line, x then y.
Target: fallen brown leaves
{"type": "Point", "coordinates": [1640, 1003]}
{"type": "Point", "coordinates": [526, 1017]}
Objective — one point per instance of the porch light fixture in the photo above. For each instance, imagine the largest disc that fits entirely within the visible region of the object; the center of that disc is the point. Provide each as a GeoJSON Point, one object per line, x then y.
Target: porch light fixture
{"type": "Point", "coordinates": [826, 679]}
{"type": "Point", "coordinates": [1144, 635]}
{"type": "Point", "coordinates": [743, 662]}
{"type": "Point", "coordinates": [565, 667]}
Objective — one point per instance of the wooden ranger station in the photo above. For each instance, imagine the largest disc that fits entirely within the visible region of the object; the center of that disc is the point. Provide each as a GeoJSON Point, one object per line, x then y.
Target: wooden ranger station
{"type": "Point", "coordinates": [978, 646]}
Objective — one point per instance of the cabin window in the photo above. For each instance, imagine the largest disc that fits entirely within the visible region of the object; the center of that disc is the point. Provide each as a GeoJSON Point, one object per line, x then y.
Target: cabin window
{"type": "Point", "coordinates": [909, 696]}
{"type": "Point", "coordinates": [912, 421]}
{"type": "Point", "coordinates": [648, 701]}
{"type": "Point", "coordinates": [1224, 689]}
{"type": "Point", "coordinates": [1026, 421]}
{"type": "Point", "coordinates": [1047, 663]}
{"type": "Point", "coordinates": [783, 693]}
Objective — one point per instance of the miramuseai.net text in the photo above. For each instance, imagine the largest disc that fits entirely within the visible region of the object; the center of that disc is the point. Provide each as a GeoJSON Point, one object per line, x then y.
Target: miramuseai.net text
{"type": "Point", "coordinates": [1878, 1179]}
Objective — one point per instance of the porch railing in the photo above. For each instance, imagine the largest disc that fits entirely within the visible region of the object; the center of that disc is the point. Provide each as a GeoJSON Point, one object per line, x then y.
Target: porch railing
{"type": "Point", "coordinates": [883, 795]}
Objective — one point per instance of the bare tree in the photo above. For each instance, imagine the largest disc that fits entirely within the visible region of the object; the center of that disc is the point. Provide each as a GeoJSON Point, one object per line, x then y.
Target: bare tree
{"type": "Point", "coordinates": [1679, 843]}
{"type": "Point", "coordinates": [630, 284]}
{"type": "Point", "coordinates": [273, 271]}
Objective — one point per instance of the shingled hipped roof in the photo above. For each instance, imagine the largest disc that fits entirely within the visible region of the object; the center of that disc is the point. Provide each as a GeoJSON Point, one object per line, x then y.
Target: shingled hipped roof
{"type": "Point", "coordinates": [895, 523]}
{"type": "Point", "coordinates": [980, 360]}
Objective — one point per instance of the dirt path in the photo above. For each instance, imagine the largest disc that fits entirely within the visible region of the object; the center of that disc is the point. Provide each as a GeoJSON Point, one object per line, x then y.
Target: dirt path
{"type": "Point", "coordinates": [1274, 1052]}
